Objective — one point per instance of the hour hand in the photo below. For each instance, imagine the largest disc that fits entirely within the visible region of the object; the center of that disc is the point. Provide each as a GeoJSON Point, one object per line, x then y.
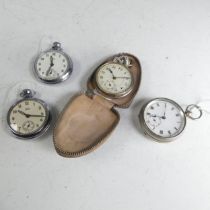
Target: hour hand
{"type": "Point", "coordinates": [23, 113]}
{"type": "Point", "coordinates": [155, 115]}
{"type": "Point", "coordinates": [112, 73]}
{"type": "Point", "coordinates": [110, 70]}
{"type": "Point", "coordinates": [161, 117]}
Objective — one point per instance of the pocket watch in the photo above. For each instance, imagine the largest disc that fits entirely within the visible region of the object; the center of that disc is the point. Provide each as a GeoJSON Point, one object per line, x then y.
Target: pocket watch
{"type": "Point", "coordinates": [29, 117]}
{"type": "Point", "coordinates": [53, 66]}
{"type": "Point", "coordinates": [114, 78]}
{"type": "Point", "coordinates": [163, 119]}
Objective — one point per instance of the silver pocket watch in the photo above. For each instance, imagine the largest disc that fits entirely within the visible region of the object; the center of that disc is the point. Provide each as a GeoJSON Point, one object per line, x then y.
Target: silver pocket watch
{"type": "Point", "coordinates": [29, 117]}
{"type": "Point", "coordinates": [54, 65]}
{"type": "Point", "coordinates": [114, 78]}
{"type": "Point", "coordinates": [164, 120]}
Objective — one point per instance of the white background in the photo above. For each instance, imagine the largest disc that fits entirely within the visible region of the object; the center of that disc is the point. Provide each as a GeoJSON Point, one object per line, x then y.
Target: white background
{"type": "Point", "coordinates": [129, 171]}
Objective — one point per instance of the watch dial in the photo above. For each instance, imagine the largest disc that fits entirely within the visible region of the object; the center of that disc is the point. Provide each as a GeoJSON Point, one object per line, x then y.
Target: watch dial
{"type": "Point", "coordinates": [52, 65]}
{"type": "Point", "coordinates": [113, 78]}
{"type": "Point", "coordinates": [164, 118]}
{"type": "Point", "coordinates": [28, 117]}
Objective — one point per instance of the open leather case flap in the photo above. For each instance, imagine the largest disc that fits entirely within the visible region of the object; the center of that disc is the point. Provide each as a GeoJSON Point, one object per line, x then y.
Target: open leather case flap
{"type": "Point", "coordinates": [87, 120]}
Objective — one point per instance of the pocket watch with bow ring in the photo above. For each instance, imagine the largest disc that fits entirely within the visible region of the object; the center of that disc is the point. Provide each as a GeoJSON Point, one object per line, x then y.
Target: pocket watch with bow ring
{"type": "Point", "coordinates": [54, 65]}
{"type": "Point", "coordinates": [163, 119]}
{"type": "Point", "coordinates": [114, 78]}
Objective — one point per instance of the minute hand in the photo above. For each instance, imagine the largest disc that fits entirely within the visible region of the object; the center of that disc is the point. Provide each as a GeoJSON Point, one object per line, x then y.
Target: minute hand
{"type": "Point", "coordinates": [164, 114]}
{"type": "Point", "coordinates": [122, 77]}
{"type": "Point", "coordinates": [35, 115]}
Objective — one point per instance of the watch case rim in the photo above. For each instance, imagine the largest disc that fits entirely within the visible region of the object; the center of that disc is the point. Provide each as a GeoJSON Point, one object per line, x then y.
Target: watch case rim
{"type": "Point", "coordinates": [40, 131]}
{"type": "Point", "coordinates": [112, 95]}
{"type": "Point", "coordinates": [61, 78]}
{"type": "Point", "coordinates": [148, 131]}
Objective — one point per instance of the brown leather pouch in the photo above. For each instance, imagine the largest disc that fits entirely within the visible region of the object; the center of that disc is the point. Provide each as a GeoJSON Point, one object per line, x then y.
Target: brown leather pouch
{"type": "Point", "coordinates": [89, 118]}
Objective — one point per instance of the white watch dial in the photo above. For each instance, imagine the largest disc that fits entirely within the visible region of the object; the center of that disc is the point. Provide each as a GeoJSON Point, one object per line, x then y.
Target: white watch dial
{"type": "Point", "coordinates": [27, 117]}
{"type": "Point", "coordinates": [51, 65]}
{"type": "Point", "coordinates": [113, 78]}
{"type": "Point", "coordinates": [164, 118]}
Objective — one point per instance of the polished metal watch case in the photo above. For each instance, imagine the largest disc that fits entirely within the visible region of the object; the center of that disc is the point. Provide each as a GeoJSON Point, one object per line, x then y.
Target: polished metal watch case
{"type": "Point", "coordinates": [149, 132]}
{"type": "Point", "coordinates": [55, 48]}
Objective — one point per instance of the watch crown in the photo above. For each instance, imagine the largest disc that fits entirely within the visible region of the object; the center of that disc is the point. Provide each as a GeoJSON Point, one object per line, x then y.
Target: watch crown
{"type": "Point", "coordinates": [27, 93]}
{"type": "Point", "coordinates": [56, 46]}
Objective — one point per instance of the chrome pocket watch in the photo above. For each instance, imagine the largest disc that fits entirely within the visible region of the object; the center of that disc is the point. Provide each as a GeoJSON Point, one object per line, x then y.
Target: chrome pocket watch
{"type": "Point", "coordinates": [53, 66]}
{"type": "Point", "coordinates": [163, 119]}
{"type": "Point", "coordinates": [114, 78]}
{"type": "Point", "coordinates": [29, 117]}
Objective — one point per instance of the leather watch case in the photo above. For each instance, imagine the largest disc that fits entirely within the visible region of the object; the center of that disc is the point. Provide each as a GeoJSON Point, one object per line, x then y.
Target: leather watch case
{"type": "Point", "coordinates": [89, 118]}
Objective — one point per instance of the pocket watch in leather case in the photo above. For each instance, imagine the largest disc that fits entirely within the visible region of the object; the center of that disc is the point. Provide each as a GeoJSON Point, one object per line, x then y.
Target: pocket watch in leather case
{"type": "Point", "coordinates": [89, 118]}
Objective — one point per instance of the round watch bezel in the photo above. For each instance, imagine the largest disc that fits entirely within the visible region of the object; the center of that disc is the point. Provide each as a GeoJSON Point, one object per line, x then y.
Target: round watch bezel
{"type": "Point", "coordinates": [59, 79]}
{"type": "Point", "coordinates": [112, 94]}
{"type": "Point", "coordinates": [150, 132]}
{"type": "Point", "coordinates": [38, 132]}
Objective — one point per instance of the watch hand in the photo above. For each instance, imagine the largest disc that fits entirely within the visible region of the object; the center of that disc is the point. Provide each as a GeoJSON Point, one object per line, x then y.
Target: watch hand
{"type": "Point", "coordinates": [49, 71]}
{"type": "Point", "coordinates": [110, 71]}
{"type": "Point", "coordinates": [35, 115]}
{"type": "Point", "coordinates": [122, 77]}
{"type": "Point", "coordinates": [164, 114]}
{"type": "Point", "coordinates": [51, 61]}
{"type": "Point", "coordinates": [113, 77]}
{"type": "Point", "coordinates": [23, 113]}
{"type": "Point", "coordinates": [162, 117]}
{"type": "Point", "coordinates": [155, 116]}
{"type": "Point", "coordinates": [30, 115]}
